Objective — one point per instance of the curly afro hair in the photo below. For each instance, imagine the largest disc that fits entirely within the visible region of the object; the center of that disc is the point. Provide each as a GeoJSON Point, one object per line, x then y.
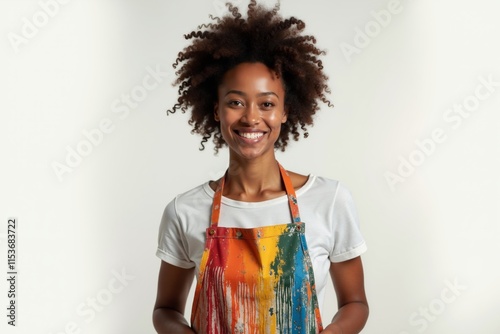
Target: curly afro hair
{"type": "Point", "coordinates": [265, 37]}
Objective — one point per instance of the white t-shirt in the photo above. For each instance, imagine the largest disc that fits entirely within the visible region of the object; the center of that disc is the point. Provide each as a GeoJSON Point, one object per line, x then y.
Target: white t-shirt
{"type": "Point", "coordinates": [325, 206]}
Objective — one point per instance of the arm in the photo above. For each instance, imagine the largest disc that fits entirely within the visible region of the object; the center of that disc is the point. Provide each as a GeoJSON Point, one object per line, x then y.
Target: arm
{"type": "Point", "coordinates": [174, 284]}
{"type": "Point", "coordinates": [348, 281]}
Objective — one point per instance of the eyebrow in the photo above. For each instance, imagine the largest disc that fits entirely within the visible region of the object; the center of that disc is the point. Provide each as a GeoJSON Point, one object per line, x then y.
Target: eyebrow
{"type": "Point", "coordinates": [239, 92]}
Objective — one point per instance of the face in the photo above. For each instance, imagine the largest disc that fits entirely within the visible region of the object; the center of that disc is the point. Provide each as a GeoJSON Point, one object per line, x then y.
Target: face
{"type": "Point", "coordinates": [250, 109]}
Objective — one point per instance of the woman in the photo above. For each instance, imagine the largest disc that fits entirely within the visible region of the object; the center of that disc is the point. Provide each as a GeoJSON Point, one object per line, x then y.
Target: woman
{"type": "Point", "coordinates": [262, 241]}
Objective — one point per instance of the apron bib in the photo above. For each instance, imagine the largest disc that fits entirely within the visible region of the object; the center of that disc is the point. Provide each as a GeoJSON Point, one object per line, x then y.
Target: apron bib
{"type": "Point", "coordinates": [256, 280]}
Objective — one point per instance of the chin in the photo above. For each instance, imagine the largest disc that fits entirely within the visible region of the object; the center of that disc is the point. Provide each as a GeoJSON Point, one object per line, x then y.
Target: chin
{"type": "Point", "coordinates": [249, 154]}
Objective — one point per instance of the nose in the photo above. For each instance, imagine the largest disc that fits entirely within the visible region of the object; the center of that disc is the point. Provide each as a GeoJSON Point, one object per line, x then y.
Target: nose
{"type": "Point", "coordinates": [251, 115]}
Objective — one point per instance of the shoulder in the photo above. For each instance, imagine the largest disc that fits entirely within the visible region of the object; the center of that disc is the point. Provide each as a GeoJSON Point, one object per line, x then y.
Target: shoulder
{"type": "Point", "coordinates": [324, 189]}
{"type": "Point", "coordinates": [191, 197]}
{"type": "Point", "coordinates": [190, 206]}
{"type": "Point", "coordinates": [313, 182]}
{"type": "Point", "coordinates": [298, 180]}
{"type": "Point", "coordinates": [198, 191]}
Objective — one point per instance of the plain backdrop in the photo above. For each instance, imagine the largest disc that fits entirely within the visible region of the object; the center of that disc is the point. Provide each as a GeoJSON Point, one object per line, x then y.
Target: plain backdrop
{"type": "Point", "coordinates": [414, 135]}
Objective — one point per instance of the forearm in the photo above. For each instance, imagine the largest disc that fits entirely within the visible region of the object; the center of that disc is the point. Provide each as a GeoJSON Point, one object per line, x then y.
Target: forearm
{"type": "Point", "coordinates": [350, 319]}
{"type": "Point", "coordinates": [168, 321]}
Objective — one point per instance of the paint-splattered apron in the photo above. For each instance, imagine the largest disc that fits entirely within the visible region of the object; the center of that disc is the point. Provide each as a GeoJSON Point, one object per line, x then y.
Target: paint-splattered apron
{"type": "Point", "coordinates": [256, 280]}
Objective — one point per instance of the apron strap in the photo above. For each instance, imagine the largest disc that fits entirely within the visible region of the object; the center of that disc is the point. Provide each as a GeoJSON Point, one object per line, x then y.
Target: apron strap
{"type": "Point", "coordinates": [290, 192]}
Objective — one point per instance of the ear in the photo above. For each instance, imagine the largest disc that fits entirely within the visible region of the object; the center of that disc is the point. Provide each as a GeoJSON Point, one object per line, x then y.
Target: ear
{"type": "Point", "coordinates": [216, 113]}
{"type": "Point", "coordinates": [284, 117]}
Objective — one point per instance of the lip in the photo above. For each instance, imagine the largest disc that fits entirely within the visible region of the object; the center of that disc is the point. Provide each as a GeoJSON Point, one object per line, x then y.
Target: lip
{"type": "Point", "coordinates": [251, 131]}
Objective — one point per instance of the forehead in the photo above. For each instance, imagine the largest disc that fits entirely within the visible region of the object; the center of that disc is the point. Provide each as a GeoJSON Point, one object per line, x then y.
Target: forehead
{"type": "Point", "coordinates": [251, 76]}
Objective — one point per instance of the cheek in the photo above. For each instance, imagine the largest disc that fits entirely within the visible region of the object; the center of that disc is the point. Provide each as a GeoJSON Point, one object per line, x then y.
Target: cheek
{"type": "Point", "coordinates": [225, 124]}
{"type": "Point", "coordinates": [227, 120]}
{"type": "Point", "coordinates": [276, 120]}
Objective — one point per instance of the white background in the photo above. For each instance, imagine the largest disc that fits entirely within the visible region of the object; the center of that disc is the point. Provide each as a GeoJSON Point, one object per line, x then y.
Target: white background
{"type": "Point", "coordinates": [438, 227]}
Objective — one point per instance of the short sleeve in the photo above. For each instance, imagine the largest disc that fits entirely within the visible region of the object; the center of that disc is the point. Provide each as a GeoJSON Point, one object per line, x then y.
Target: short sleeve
{"type": "Point", "coordinates": [348, 240]}
{"type": "Point", "coordinates": [172, 244]}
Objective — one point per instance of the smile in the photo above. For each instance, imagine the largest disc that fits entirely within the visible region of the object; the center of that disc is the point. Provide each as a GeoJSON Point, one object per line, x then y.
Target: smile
{"type": "Point", "coordinates": [251, 135]}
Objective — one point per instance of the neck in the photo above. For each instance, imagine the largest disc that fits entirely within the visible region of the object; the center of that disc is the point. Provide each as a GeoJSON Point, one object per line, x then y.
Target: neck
{"type": "Point", "coordinates": [253, 180]}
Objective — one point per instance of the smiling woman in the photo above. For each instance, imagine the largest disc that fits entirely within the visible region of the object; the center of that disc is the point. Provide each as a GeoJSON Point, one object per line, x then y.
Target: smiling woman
{"type": "Point", "coordinates": [263, 37]}
{"type": "Point", "coordinates": [261, 265]}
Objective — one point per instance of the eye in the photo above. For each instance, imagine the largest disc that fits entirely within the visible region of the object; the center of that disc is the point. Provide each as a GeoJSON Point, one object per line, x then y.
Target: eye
{"type": "Point", "coordinates": [268, 105]}
{"type": "Point", "coordinates": [234, 103]}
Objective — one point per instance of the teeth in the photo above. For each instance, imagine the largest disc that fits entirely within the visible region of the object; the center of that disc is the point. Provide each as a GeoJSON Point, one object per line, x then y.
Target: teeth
{"type": "Point", "coordinates": [251, 135]}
